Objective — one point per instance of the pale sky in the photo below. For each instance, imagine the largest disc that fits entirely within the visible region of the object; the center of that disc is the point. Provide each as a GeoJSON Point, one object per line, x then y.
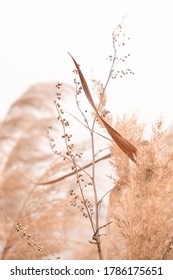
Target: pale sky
{"type": "Point", "coordinates": [35, 36]}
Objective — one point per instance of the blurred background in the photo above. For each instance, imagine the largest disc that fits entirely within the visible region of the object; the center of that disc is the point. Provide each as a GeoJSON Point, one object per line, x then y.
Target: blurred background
{"type": "Point", "coordinates": [36, 35]}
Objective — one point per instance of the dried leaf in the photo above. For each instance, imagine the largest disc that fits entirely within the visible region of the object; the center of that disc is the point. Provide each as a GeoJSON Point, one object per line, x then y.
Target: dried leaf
{"type": "Point", "coordinates": [84, 84]}
{"type": "Point", "coordinates": [123, 144]}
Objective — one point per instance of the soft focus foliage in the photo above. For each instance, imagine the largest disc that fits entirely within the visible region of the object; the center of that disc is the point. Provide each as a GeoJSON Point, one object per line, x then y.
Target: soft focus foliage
{"type": "Point", "coordinates": [140, 205]}
{"type": "Point", "coordinates": [47, 221]}
{"type": "Point", "coordinates": [45, 210]}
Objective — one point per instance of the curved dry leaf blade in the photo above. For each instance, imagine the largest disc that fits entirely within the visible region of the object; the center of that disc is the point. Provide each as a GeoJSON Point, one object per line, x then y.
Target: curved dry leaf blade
{"type": "Point", "coordinates": [123, 144]}
{"type": "Point", "coordinates": [84, 84]}
{"type": "Point", "coordinates": [70, 173]}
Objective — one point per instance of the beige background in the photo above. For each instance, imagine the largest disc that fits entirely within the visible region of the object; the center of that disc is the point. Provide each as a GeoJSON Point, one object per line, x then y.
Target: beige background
{"type": "Point", "coordinates": [36, 35]}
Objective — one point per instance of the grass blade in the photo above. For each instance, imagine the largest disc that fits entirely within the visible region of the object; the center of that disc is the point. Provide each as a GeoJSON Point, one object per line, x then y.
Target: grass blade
{"type": "Point", "coordinates": [123, 144]}
{"type": "Point", "coordinates": [84, 84]}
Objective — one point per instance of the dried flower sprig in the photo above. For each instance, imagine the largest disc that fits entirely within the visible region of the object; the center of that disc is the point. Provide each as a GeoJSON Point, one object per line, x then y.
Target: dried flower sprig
{"type": "Point", "coordinates": [22, 230]}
